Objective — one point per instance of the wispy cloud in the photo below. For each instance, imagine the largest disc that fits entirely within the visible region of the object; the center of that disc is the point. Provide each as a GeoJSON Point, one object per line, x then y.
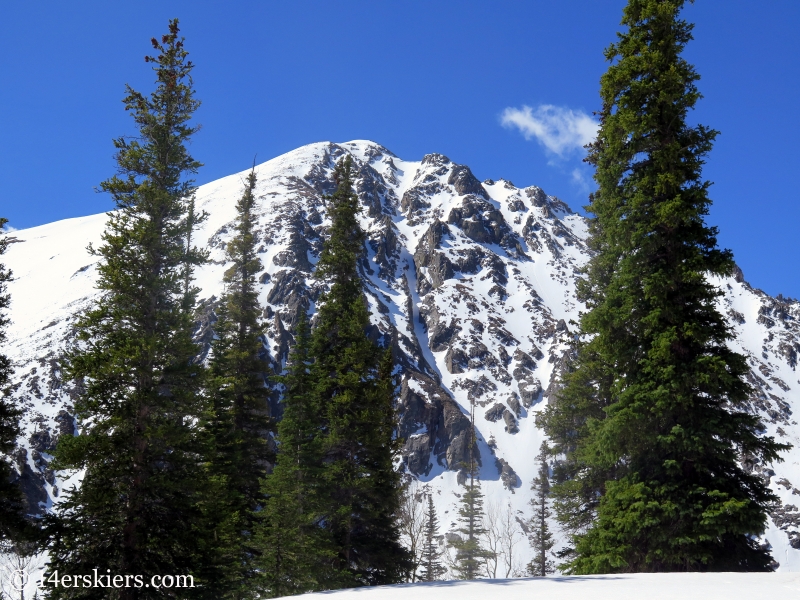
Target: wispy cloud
{"type": "Point", "coordinates": [578, 179]}
{"type": "Point", "coordinates": [8, 228]}
{"type": "Point", "coordinates": [560, 130]}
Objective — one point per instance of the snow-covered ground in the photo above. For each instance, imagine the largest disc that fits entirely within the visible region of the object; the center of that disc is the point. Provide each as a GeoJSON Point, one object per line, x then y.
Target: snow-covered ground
{"type": "Point", "coordinates": [640, 586]}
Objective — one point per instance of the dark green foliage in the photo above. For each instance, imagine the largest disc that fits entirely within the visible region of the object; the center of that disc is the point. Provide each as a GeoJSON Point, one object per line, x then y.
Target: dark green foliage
{"type": "Point", "coordinates": [330, 516]}
{"type": "Point", "coordinates": [432, 568]}
{"type": "Point", "coordinates": [12, 523]}
{"type": "Point", "coordinates": [296, 551]}
{"type": "Point", "coordinates": [239, 423]}
{"type": "Point", "coordinates": [653, 418]}
{"type": "Point", "coordinates": [136, 510]}
{"type": "Point", "coordinates": [352, 379]}
{"type": "Point", "coordinates": [470, 554]}
{"type": "Point", "coordinates": [540, 537]}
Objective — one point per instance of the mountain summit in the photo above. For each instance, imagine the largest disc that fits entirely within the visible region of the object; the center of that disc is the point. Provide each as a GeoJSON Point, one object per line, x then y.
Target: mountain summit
{"type": "Point", "coordinates": [473, 284]}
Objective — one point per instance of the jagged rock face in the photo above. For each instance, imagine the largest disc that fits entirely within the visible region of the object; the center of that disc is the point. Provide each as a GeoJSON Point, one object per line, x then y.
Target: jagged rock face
{"type": "Point", "coordinates": [472, 284]}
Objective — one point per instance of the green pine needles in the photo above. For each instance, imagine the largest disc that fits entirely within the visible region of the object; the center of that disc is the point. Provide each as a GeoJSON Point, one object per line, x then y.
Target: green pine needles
{"type": "Point", "coordinates": [296, 550]}
{"type": "Point", "coordinates": [470, 553]}
{"type": "Point", "coordinates": [136, 509]}
{"type": "Point", "coordinates": [652, 419]}
{"type": "Point", "coordinates": [540, 537]}
{"type": "Point", "coordinates": [12, 523]}
{"type": "Point", "coordinates": [353, 379]}
{"type": "Point", "coordinates": [432, 567]}
{"type": "Point", "coordinates": [334, 495]}
{"type": "Point", "coordinates": [238, 423]}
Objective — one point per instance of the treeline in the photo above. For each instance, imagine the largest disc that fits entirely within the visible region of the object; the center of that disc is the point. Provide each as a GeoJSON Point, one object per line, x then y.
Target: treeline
{"type": "Point", "coordinates": [186, 471]}
{"type": "Point", "coordinates": [652, 423]}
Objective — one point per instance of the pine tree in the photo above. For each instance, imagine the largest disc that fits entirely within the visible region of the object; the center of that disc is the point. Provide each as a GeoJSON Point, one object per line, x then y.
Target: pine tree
{"type": "Point", "coordinates": [239, 422]}
{"type": "Point", "coordinates": [136, 510]}
{"type": "Point", "coordinates": [12, 523]}
{"type": "Point", "coordinates": [296, 551]}
{"type": "Point", "coordinates": [540, 537]}
{"type": "Point", "coordinates": [652, 420]}
{"type": "Point", "coordinates": [432, 568]}
{"type": "Point", "coordinates": [470, 554]}
{"type": "Point", "coordinates": [352, 380]}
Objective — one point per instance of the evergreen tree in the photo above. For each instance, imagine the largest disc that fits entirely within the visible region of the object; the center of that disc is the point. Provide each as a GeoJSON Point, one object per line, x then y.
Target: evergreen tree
{"type": "Point", "coordinates": [136, 510]}
{"type": "Point", "coordinates": [652, 419]}
{"type": "Point", "coordinates": [540, 537]}
{"type": "Point", "coordinates": [352, 380]}
{"type": "Point", "coordinates": [470, 554]}
{"type": "Point", "coordinates": [12, 523]}
{"type": "Point", "coordinates": [296, 551]}
{"type": "Point", "coordinates": [432, 568]}
{"type": "Point", "coordinates": [239, 422]}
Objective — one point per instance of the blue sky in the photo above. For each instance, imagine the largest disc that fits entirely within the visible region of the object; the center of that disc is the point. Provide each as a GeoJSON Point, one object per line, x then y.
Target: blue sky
{"type": "Point", "coordinates": [415, 76]}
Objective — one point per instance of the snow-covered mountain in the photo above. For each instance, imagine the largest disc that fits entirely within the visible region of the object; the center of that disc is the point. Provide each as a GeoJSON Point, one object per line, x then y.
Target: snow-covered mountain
{"type": "Point", "coordinates": [473, 282]}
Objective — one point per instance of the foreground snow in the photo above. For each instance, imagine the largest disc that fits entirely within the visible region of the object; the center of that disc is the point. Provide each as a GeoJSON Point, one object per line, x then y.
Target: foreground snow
{"type": "Point", "coordinates": [650, 586]}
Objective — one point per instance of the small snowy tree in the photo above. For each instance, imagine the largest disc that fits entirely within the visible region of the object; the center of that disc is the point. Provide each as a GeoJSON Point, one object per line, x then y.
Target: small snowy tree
{"type": "Point", "coordinates": [470, 554]}
{"type": "Point", "coordinates": [503, 533]}
{"type": "Point", "coordinates": [510, 535]}
{"type": "Point", "coordinates": [412, 524]}
{"type": "Point", "coordinates": [432, 568]}
{"type": "Point", "coordinates": [540, 537]}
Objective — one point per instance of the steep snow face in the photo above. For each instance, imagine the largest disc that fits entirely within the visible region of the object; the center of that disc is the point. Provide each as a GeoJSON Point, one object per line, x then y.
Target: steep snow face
{"type": "Point", "coordinates": [473, 283]}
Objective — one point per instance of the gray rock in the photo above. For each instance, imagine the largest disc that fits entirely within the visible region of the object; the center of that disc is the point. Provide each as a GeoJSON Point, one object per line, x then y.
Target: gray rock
{"type": "Point", "coordinates": [31, 484]}
{"type": "Point", "coordinates": [514, 404]}
{"type": "Point", "coordinates": [495, 413]}
{"type": "Point", "coordinates": [464, 182]}
{"type": "Point", "coordinates": [479, 220]}
{"type": "Point", "coordinates": [289, 292]}
{"type": "Point", "coordinates": [65, 424]}
{"type": "Point", "coordinates": [427, 256]}
{"type": "Point", "coordinates": [529, 392]}
{"type": "Point", "coordinates": [40, 441]}
{"type": "Point", "coordinates": [511, 422]}
{"type": "Point", "coordinates": [456, 361]}
{"type": "Point", "coordinates": [432, 425]}
{"type": "Point", "coordinates": [478, 388]}
{"type": "Point", "coordinates": [525, 365]}
{"type": "Point", "coordinates": [738, 274]}
{"type": "Point", "coordinates": [436, 160]}
{"type": "Point", "coordinates": [508, 476]}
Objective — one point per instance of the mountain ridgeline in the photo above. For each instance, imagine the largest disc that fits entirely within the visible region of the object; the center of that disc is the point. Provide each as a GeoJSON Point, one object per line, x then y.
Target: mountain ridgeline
{"type": "Point", "coordinates": [471, 283]}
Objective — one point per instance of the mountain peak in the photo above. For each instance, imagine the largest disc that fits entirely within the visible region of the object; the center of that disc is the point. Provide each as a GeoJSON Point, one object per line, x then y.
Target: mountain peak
{"type": "Point", "coordinates": [473, 283]}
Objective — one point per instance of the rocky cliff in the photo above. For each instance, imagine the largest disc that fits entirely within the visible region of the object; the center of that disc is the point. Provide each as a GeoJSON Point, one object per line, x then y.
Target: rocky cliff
{"type": "Point", "coordinates": [472, 283]}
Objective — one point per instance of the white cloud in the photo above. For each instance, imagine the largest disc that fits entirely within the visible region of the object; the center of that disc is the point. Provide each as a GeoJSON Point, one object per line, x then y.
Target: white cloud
{"type": "Point", "coordinates": [560, 130]}
{"type": "Point", "coordinates": [8, 228]}
{"type": "Point", "coordinates": [579, 180]}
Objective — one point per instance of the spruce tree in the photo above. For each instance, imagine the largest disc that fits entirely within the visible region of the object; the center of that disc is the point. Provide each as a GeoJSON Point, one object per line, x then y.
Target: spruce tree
{"type": "Point", "coordinates": [652, 419]}
{"type": "Point", "coordinates": [432, 568]}
{"type": "Point", "coordinates": [296, 553]}
{"type": "Point", "coordinates": [470, 554]}
{"type": "Point", "coordinates": [11, 505]}
{"type": "Point", "coordinates": [135, 512]}
{"type": "Point", "coordinates": [352, 380]}
{"type": "Point", "coordinates": [540, 537]}
{"type": "Point", "coordinates": [239, 422]}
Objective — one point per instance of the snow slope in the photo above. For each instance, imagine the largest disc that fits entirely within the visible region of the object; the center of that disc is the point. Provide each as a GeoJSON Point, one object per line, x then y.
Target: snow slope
{"type": "Point", "coordinates": [652, 586]}
{"type": "Point", "coordinates": [473, 283]}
